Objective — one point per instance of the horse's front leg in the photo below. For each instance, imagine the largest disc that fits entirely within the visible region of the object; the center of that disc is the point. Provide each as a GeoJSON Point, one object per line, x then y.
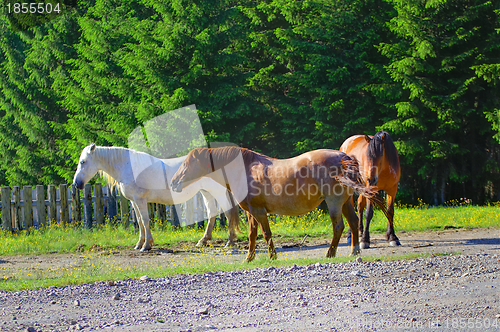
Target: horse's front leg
{"type": "Point", "coordinates": [390, 234]}
{"type": "Point", "coordinates": [143, 215]}
{"type": "Point", "coordinates": [365, 237]}
{"type": "Point", "coordinates": [252, 237]}
{"type": "Point", "coordinates": [142, 234]}
{"type": "Point", "coordinates": [266, 231]}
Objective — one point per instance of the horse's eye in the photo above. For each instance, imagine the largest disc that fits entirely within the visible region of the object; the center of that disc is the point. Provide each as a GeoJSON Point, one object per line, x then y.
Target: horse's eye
{"type": "Point", "coordinates": [82, 162]}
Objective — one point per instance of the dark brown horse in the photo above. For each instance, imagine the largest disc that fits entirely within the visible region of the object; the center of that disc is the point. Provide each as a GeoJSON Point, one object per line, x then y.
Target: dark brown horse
{"type": "Point", "coordinates": [282, 186]}
{"type": "Point", "coordinates": [379, 166]}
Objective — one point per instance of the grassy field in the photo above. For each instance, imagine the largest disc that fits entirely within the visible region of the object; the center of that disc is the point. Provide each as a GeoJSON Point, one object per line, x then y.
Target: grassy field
{"type": "Point", "coordinates": [58, 239]}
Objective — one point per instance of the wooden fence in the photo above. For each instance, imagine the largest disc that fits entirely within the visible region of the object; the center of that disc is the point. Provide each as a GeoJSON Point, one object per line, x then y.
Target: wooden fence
{"type": "Point", "coordinates": [69, 205]}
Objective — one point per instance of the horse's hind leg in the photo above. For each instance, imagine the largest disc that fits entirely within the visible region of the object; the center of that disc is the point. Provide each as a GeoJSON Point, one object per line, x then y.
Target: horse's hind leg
{"type": "Point", "coordinates": [391, 235]}
{"type": "Point", "coordinates": [352, 220]}
{"type": "Point", "coordinates": [335, 204]}
{"type": "Point", "coordinates": [365, 237]}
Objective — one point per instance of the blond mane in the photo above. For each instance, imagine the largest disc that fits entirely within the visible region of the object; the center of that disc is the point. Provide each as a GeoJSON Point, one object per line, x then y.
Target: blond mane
{"type": "Point", "coordinates": [113, 155]}
{"type": "Point", "coordinates": [110, 181]}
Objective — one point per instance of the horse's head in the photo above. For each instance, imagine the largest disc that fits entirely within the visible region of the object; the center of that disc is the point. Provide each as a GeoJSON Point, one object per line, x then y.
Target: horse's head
{"type": "Point", "coordinates": [375, 152]}
{"type": "Point", "coordinates": [87, 167]}
{"type": "Point", "coordinates": [196, 165]}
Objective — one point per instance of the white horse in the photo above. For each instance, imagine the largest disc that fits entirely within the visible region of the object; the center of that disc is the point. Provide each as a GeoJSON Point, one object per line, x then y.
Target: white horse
{"type": "Point", "coordinates": [143, 178]}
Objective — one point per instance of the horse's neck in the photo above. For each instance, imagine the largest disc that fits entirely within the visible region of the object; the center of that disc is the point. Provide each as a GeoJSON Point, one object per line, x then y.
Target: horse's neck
{"type": "Point", "coordinates": [113, 161]}
{"type": "Point", "coordinates": [172, 165]}
{"type": "Point", "coordinates": [118, 162]}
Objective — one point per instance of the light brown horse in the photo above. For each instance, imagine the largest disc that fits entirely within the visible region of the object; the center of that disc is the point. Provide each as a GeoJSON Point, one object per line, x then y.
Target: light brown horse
{"type": "Point", "coordinates": [379, 166]}
{"type": "Point", "coordinates": [291, 187]}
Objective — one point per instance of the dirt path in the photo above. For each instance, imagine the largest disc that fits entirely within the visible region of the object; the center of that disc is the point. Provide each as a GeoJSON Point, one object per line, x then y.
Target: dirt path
{"type": "Point", "coordinates": [465, 241]}
{"type": "Point", "coordinates": [443, 293]}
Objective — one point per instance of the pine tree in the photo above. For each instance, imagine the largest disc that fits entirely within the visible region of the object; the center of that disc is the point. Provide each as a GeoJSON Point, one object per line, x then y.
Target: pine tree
{"type": "Point", "coordinates": [442, 50]}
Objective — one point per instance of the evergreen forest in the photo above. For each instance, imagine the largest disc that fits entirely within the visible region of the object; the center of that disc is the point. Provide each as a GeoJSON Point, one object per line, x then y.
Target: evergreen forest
{"type": "Point", "coordinates": [281, 77]}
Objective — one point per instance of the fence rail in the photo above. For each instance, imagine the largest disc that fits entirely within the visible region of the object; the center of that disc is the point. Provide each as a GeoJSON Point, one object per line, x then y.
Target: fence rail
{"type": "Point", "coordinates": [69, 205]}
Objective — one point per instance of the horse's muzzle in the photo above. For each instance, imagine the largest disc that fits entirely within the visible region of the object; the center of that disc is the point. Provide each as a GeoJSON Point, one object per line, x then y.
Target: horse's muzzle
{"type": "Point", "coordinates": [176, 186]}
{"type": "Point", "coordinates": [373, 181]}
{"type": "Point", "coordinates": [78, 184]}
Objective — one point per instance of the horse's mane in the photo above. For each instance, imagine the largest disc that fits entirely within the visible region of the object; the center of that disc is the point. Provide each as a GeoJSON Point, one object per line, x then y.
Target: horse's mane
{"type": "Point", "coordinates": [223, 155]}
{"type": "Point", "coordinates": [114, 155]}
{"type": "Point", "coordinates": [376, 149]}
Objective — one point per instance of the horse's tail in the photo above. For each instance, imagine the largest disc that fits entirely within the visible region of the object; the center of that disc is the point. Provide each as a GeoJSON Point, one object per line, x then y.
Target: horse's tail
{"type": "Point", "coordinates": [234, 223]}
{"type": "Point", "coordinates": [351, 178]}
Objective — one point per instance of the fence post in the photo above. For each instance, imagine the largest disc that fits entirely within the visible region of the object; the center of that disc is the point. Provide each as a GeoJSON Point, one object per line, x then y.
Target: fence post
{"type": "Point", "coordinates": [40, 205]}
{"type": "Point", "coordinates": [99, 204]}
{"type": "Point", "coordinates": [63, 196]}
{"type": "Point", "coordinates": [124, 211]}
{"type": "Point", "coordinates": [6, 215]}
{"type": "Point", "coordinates": [161, 213]}
{"type": "Point", "coordinates": [222, 221]}
{"type": "Point", "coordinates": [51, 196]}
{"type": "Point", "coordinates": [16, 193]}
{"type": "Point", "coordinates": [112, 205]}
{"type": "Point", "coordinates": [28, 208]}
{"type": "Point", "coordinates": [174, 216]}
{"type": "Point", "coordinates": [200, 215]}
{"type": "Point", "coordinates": [151, 214]}
{"type": "Point", "coordinates": [87, 205]}
{"type": "Point", "coordinates": [76, 207]}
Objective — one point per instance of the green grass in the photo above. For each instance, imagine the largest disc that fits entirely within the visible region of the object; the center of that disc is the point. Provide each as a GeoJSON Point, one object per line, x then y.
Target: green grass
{"type": "Point", "coordinates": [103, 268]}
{"type": "Point", "coordinates": [62, 239]}
{"type": "Point", "coordinates": [96, 245]}
{"type": "Point", "coordinates": [408, 219]}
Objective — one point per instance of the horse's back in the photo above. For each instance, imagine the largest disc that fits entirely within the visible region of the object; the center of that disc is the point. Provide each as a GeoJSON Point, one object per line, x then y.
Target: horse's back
{"type": "Point", "coordinates": [355, 145]}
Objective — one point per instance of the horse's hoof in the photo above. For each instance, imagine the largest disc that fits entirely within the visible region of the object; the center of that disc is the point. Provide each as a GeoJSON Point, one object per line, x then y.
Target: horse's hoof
{"type": "Point", "coordinates": [331, 253]}
{"type": "Point", "coordinates": [145, 249]}
{"type": "Point", "coordinates": [356, 251]}
{"type": "Point", "coordinates": [250, 257]}
{"type": "Point", "coordinates": [364, 245]}
{"type": "Point", "coordinates": [229, 244]}
{"type": "Point", "coordinates": [200, 244]}
{"type": "Point", "coordinates": [394, 243]}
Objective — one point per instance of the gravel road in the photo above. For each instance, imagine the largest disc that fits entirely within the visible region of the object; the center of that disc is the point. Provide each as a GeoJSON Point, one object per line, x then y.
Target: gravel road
{"type": "Point", "coordinates": [442, 293]}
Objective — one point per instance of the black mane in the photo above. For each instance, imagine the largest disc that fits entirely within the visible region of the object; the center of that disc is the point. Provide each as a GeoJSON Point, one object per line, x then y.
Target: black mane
{"type": "Point", "coordinates": [376, 149]}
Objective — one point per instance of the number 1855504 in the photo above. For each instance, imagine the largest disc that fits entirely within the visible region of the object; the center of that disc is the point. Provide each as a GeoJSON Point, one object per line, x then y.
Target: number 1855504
{"type": "Point", "coordinates": [32, 8]}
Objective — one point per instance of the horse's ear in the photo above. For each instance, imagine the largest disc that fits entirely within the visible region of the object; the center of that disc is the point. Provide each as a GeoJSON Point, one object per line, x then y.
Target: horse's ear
{"type": "Point", "coordinates": [196, 153]}
{"type": "Point", "coordinates": [92, 147]}
{"type": "Point", "coordinates": [367, 138]}
{"type": "Point", "coordinates": [382, 138]}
